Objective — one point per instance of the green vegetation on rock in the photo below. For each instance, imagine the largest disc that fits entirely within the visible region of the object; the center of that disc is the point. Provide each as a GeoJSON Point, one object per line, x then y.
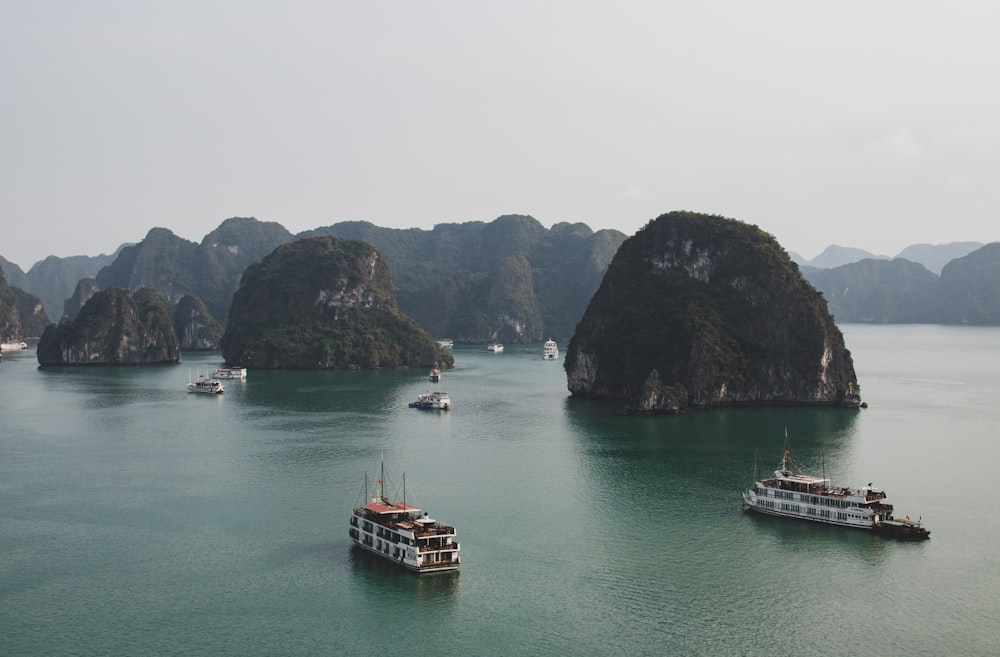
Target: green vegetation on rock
{"type": "Point", "coordinates": [325, 303]}
{"type": "Point", "coordinates": [718, 311]}
{"type": "Point", "coordinates": [114, 328]}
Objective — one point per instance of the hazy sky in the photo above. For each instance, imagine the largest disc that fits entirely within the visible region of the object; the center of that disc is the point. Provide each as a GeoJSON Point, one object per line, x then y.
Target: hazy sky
{"type": "Point", "coordinates": [868, 124]}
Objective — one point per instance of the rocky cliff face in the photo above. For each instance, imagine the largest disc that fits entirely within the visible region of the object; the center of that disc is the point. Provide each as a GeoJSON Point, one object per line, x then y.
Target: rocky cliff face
{"type": "Point", "coordinates": [698, 311]}
{"type": "Point", "coordinates": [113, 328]}
{"type": "Point", "coordinates": [325, 303]}
{"type": "Point", "coordinates": [10, 312]}
{"type": "Point", "coordinates": [21, 314]}
{"type": "Point", "coordinates": [85, 288]}
{"type": "Point", "coordinates": [510, 280]}
{"type": "Point", "coordinates": [196, 328]}
{"type": "Point", "coordinates": [211, 270]}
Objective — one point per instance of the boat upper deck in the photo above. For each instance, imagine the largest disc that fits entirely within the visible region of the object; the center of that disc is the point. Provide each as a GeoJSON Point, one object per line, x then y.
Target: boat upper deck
{"type": "Point", "coordinates": [389, 508]}
{"type": "Point", "coordinates": [401, 516]}
{"type": "Point", "coordinates": [798, 483]}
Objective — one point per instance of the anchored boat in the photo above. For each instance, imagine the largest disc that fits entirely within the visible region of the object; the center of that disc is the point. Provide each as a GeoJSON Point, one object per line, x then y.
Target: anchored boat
{"type": "Point", "coordinates": [230, 373]}
{"type": "Point", "coordinates": [13, 345]}
{"type": "Point", "coordinates": [806, 497]}
{"type": "Point", "coordinates": [205, 386]}
{"type": "Point", "coordinates": [403, 534]}
{"type": "Point", "coordinates": [432, 400]}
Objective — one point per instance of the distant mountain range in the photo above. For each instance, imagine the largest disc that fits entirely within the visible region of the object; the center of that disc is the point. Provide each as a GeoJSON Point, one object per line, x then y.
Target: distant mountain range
{"type": "Point", "coordinates": [511, 279]}
{"type": "Point", "coordinates": [903, 291]}
{"type": "Point", "coordinates": [932, 256]}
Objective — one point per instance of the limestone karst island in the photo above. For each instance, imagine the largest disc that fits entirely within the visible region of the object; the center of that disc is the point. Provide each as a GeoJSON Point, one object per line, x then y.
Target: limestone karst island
{"type": "Point", "coordinates": [699, 311]}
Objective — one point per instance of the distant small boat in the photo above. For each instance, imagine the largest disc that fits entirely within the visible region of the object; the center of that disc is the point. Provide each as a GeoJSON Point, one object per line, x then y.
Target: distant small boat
{"type": "Point", "coordinates": [446, 343]}
{"type": "Point", "coordinates": [432, 400]}
{"type": "Point", "coordinates": [435, 374]}
{"type": "Point", "coordinates": [206, 386]}
{"type": "Point", "coordinates": [495, 347]}
{"type": "Point", "coordinates": [550, 351]}
{"type": "Point", "coordinates": [230, 373]}
{"type": "Point", "coordinates": [13, 346]}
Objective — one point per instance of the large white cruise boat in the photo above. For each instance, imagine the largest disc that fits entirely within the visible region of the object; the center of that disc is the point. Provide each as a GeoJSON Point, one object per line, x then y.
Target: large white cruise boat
{"type": "Point", "coordinates": [550, 351]}
{"type": "Point", "coordinates": [806, 497]}
{"type": "Point", "coordinates": [403, 534]}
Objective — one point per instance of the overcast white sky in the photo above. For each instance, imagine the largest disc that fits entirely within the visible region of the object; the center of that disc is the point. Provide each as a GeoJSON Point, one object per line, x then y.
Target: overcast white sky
{"type": "Point", "coordinates": [868, 124]}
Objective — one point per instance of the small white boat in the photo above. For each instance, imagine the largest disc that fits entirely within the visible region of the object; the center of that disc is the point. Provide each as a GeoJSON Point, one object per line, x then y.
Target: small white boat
{"type": "Point", "coordinates": [550, 350]}
{"type": "Point", "coordinates": [13, 346]}
{"type": "Point", "coordinates": [435, 374]}
{"type": "Point", "coordinates": [446, 343]}
{"type": "Point", "coordinates": [403, 534]}
{"type": "Point", "coordinates": [230, 373]}
{"type": "Point", "coordinates": [206, 386]}
{"type": "Point", "coordinates": [432, 400]}
{"type": "Point", "coordinates": [495, 347]}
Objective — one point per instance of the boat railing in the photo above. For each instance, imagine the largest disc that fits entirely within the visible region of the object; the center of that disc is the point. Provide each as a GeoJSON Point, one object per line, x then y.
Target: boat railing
{"type": "Point", "coordinates": [443, 547]}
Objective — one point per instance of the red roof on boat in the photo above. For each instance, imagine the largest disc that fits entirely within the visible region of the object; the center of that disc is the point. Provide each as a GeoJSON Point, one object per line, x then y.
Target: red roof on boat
{"type": "Point", "coordinates": [396, 507]}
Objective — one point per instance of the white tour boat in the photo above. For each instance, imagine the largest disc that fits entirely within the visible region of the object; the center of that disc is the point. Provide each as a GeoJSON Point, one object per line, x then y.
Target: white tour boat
{"type": "Point", "coordinates": [206, 386]}
{"type": "Point", "coordinates": [13, 346]}
{"type": "Point", "coordinates": [230, 373]}
{"type": "Point", "coordinates": [403, 534]}
{"type": "Point", "coordinates": [805, 497]}
{"type": "Point", "coordinates": [432, 400]}
{"type": "Point", "coordinates": [550, 351]}
{"type": "Point", "coordinates": [495, 347]}
{"type": "Point", "coordinates": [446, 343]}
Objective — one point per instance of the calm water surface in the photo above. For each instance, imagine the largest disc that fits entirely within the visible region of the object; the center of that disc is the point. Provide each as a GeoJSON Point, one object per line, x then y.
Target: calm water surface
{"type": "Point", "coordinates": [138, 519]}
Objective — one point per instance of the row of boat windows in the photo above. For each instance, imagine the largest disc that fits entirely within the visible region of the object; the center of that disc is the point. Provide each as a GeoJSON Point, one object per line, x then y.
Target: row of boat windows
{"type": "Point", "coordinates": [811, 511]}
{"type": "Point", "coordinates": [800, 497]}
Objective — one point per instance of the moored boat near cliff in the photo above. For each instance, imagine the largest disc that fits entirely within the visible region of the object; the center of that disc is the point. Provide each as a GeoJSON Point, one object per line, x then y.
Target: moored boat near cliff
{"type": "Point", "coordinates": [13, 345]}
{"type": "Point", "coordinates": [230, 373]}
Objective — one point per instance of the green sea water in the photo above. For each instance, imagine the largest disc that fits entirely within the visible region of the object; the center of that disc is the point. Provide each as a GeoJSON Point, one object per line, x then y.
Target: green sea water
{"type": "Point", "coordinates": [139, 519]}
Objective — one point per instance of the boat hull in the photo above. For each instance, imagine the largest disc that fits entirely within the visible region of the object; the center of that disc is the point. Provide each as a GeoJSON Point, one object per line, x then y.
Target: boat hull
{"type": "Point", "coordinates": [422, 570]}
{"type": "Point", "coordinates": [747, 506]}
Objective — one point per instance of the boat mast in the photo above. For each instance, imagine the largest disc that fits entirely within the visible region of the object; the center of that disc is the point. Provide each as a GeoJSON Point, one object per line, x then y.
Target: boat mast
{"type": "Point", "coordinates": [784, 454]}
{"type": "Point", "coordinates": [381, 480]}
